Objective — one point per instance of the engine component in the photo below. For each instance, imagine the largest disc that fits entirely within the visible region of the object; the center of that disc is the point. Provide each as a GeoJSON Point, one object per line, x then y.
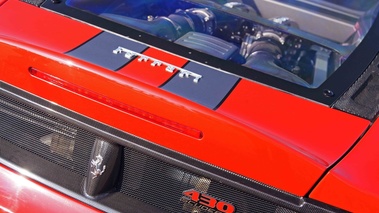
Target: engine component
{"type": "Point", "coordinates": [321, 65]}
{"type": "Point", "coordinates": [211, 45]}
{"type": "Point", "coordinates": [291, 42]}
{"type": "Point", "coordinates": [287, 57]}
{"type": "Point", "coordinates": [242, 7]}
{"type": "Point", "coordinates": [263, 51]}
{"type": "Point", "coordinates": [285, 21]}
{"type": "Point", "coordinates": [264, 55]}
{"type": "Point", "coordinates": [174, 26]}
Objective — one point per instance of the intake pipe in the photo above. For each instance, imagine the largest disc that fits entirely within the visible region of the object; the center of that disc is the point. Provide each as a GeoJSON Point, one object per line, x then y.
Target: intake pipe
{"type": "Point", "coordinates": [264, 57]}
{"type": "Point", "coordinates": [174, 26]}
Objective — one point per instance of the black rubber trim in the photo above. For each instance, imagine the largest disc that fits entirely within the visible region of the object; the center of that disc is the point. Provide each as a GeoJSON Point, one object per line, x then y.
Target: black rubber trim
{"type": "Point", "coordinates": [338, 83]}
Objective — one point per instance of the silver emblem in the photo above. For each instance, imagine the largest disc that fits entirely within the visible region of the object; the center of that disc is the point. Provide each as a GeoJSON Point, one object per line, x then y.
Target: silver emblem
{"type": "Point", "coordinates": [129, 54]}
{"type": "Point", "coordinates": [170, 68]}
{"type": "Point", "coordinates": [156, 63]}
{"type": "Point", "coordinates": [143, 59]}
{"type": "Point", "coordinates": [187, 74]}
{"type": "Point", "coordinates": [96, 165]}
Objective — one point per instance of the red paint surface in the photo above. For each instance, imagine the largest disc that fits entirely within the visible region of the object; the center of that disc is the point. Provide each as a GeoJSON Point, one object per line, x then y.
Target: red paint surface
{"type": "Point", "coordinates": [317, 132]}
{"type": "Point", "coordinates": [28, 23]}
{"type": "Point", "coordinates": [259, 132]}
{"type": "Point", "coordinates": [285, 157]}
{"type": "Point", "coordinates": [354, 183]}
{"type": "Point", "coordinates": [19, 194]}
{"type": "Point", "coordinates": [154, 76]}
{"type": "Point", "coordinates": [2, 2]}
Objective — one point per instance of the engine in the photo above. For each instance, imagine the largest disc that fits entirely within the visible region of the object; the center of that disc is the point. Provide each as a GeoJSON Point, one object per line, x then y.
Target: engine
{"type": "Point", "coordinates": [293, 41]}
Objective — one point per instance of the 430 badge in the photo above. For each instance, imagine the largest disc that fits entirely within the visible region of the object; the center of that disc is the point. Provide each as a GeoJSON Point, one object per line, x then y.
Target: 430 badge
{"type": "Point", "coordinates": [195, 201]}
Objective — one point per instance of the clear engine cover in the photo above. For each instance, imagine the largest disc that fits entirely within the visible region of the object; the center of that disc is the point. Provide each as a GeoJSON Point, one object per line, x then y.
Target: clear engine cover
{"type": "Point", "coordinates": [301, 41]}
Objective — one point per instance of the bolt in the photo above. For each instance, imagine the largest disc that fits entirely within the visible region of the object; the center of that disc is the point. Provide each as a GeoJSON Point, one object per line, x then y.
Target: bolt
{"type": "Point", "coordinates": [328, 93]}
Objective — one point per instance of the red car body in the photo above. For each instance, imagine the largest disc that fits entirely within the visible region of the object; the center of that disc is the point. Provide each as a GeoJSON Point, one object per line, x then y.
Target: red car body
{"type": "Point", "coordinates": [286, 142]}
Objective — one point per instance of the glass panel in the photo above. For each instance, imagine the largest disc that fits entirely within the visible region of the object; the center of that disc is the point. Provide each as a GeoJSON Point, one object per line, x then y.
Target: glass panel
{"type": "Point", "coordinates": [301, 41]}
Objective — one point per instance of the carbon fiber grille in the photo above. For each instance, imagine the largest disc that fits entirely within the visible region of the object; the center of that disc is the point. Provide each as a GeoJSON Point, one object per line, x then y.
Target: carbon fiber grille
{"type": "Point", "coordinates": [45, 136]}
{"type": "Point", "coordinates": [362, 98]}
{"type": "Point", "coordinates": [162, 185]}
{"type": "Point", "coordinates": [34, 2]}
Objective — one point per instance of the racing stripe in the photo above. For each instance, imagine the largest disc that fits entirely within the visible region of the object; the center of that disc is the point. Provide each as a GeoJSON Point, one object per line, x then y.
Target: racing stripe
{"type": "Point", "coordinates": [196, 82]}
{"type": "Point", "coordinates": [209, 91]}
{"type": "Point", "coordinates": [154, 68]}
{"type": "Point", "coordinates": [99, 50]}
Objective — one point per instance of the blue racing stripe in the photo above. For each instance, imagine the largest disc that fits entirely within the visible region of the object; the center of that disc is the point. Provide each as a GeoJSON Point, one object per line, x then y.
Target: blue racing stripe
{"type": "Point", "coordinates": [99, 50]}
{"type": "Point", "coordinates": [209, 91]}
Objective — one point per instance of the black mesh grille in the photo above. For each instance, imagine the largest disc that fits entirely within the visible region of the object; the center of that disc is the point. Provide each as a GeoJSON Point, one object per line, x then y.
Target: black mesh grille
{"type": "Point", "coordinates": [161, 184]}
{"type": "Point", "coordinates": [45, 136]}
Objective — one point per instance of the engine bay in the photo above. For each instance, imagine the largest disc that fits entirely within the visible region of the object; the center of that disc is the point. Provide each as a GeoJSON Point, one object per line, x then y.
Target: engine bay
{"type": "Point", "coordinates": [301, 41]}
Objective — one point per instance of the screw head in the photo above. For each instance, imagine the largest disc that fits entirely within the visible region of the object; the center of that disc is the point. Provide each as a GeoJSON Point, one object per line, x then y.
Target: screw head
{"type": "Point", "coordinates": [328, 93]}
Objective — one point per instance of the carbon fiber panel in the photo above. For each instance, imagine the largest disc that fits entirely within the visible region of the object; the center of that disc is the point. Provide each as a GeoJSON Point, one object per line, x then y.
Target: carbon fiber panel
{"type": "Point", "coordinates": [362, 98]}
{"type": "Point", "coordinates": [34, 2]}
